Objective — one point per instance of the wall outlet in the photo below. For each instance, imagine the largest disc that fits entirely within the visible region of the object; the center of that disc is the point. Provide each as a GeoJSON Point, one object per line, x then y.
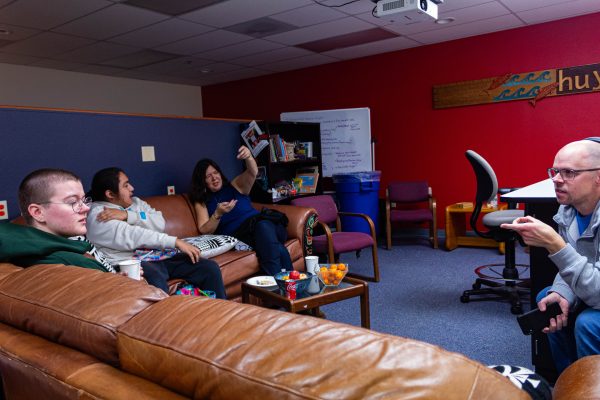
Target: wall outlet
{"type": "Point", "coordinates": [148, 153]}
{"type": "Point", "coordinates": [3, 210]}
{"type": "Point", "coordinates": [170, 190]}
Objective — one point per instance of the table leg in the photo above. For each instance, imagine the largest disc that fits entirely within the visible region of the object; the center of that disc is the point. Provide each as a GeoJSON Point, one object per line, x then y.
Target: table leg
{"type": "Point", "coordinates": [245, 296]}
{"type": "Point", "coordinates": [365, 317]}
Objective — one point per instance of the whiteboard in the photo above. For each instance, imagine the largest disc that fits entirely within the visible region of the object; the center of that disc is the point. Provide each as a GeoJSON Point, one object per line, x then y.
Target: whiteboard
{"type": "Point", "coordinates": [345, 138]}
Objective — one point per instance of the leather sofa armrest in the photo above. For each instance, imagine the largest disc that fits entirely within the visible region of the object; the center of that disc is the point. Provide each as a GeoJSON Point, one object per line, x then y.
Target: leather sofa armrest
{"type": "Point", "coordinates": [581, 380]}
{"type": "Point", "coordinates": [302, 221]}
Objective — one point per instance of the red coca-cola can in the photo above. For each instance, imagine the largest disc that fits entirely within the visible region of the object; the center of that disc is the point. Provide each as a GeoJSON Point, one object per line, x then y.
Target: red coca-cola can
{"type": "Point", "coordinates": [290, 289]}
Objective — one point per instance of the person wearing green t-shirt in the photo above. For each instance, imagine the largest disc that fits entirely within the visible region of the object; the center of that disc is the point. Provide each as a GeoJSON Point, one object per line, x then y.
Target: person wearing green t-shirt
{"type": "Point", "coordinates": [54, 206]}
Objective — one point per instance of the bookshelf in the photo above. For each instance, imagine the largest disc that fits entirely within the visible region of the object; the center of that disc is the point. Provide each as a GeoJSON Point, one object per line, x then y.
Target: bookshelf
{"type": "Point", "coordinates": [294, 149]}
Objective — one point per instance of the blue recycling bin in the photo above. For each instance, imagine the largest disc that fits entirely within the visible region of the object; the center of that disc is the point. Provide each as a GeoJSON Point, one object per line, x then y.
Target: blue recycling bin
{"type": "Point", "coordinates": [358, 192]}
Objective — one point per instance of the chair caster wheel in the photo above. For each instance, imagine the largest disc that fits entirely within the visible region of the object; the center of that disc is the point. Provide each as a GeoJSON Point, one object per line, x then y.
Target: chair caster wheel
{"type": "Point", "coordinates": [476, 286]}
{"type": "Point", "coordinates": [516, 309]}
{"type": "Point", "coordinates": [464, 298]}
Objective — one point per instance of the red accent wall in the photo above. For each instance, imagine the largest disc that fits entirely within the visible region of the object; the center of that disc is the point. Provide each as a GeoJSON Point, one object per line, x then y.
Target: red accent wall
{"type": "Point", "coordinates": [414, 141]}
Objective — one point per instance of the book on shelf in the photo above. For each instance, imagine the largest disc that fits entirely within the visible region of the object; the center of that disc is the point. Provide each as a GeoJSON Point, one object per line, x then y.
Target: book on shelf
{"type": "Point", "coordinates": [254, 138]}
{"type": "Point", "coordinates": [304, 149]}
{"type": "Point", "coordinates": [308, 177]}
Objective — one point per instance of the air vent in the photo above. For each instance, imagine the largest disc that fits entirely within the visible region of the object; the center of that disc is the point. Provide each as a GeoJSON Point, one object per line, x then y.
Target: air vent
{"type": "Point", "coordinates": [393, 5]}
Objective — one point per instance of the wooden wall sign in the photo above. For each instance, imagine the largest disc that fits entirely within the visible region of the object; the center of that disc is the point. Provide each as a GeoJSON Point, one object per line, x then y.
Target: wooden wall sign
{"type": "Point", "coordinates": [532, 86]}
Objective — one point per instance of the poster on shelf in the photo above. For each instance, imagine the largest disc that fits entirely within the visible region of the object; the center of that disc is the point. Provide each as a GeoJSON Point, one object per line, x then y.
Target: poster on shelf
{"type": "Point", "coordinates": [345, 138]}
{"type": "Point", "coordinates": [254, 138]}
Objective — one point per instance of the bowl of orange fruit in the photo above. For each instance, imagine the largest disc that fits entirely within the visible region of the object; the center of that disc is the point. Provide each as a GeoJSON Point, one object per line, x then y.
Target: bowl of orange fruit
{"type": "Point", "coordinates": [332, 274]}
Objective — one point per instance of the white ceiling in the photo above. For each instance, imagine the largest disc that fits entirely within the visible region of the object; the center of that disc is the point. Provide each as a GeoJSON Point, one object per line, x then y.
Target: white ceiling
{"type": "Point", "coordinates": [202, 42]}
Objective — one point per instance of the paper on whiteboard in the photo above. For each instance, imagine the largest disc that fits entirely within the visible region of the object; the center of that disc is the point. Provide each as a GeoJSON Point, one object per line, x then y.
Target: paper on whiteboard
{"type": "Point", "coordinates": [345, 138]}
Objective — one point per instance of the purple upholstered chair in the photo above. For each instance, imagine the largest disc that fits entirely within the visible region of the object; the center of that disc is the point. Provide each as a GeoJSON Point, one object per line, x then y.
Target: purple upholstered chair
{"type": "Point", "coordinates": [413, 203]}
{"type": "Point", "coordinates": [335, 243]}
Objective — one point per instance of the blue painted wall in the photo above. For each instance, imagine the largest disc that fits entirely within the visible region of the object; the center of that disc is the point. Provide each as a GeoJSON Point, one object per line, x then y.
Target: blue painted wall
{"type": "Point", "coordinates": [86, 142]}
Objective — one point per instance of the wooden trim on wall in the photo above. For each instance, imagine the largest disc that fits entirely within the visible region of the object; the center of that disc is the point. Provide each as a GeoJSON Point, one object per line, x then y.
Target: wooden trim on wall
{"type": "Point", "coordinates": [122, 113]}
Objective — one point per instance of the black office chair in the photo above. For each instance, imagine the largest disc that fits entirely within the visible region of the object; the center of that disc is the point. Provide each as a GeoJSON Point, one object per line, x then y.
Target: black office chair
{"type": "Point", "coordinates": [508, 284]}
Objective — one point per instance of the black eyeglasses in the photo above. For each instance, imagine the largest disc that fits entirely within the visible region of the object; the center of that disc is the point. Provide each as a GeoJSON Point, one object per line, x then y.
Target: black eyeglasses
{"type": "Point", "coordinates": [76, 205]}
{"type": "Point", "coordinates": [567, 174]}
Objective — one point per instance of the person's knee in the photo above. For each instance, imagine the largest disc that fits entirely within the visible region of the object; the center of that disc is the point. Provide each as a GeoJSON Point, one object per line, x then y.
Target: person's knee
{"type": "Point", "coordinates": [543, 293]}
{"type": "Point", "coordinates": [263, 228]}
{"type": "Point", "coordinates": [588, 322]}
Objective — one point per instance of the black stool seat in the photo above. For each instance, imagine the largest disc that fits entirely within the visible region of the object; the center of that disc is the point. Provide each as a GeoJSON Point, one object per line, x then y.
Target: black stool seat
{"type": "Point", "coordinates": [495, 219]}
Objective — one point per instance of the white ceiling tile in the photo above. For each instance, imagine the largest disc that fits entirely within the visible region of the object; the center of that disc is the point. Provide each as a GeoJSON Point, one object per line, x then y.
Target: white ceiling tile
{"type": "Point", "coordinates": [321, 31]}
{"type": "Point", "coordinates": [299, 62]}
{"type": "Point", "coordinates": [309, 15]}
{"type": "Point", "coordinates": [46, 45]}
{"type": "Point", "coordinates": [111, 21]}
{"type": "Point", "coordinates": [101, 70]}
{"type": "Point", "coordinates": [451, 5]}
{"type": "Point", "coordinates": [96, 52]}
{"type": "Point", "coordinates": [271, 56]}
{"type": "Point", "coordinates": [155, 37]}
{"type": "Point", "coordinates": [470, 29]}
{"type": "Point", "coordinates": [475, 13]}
{"type": "Point", "coordinates": [17, 59]}
{"type": "Point", "coordinates": [233, 76]}
{"type": "Point", "coordinates": [520, 5]}
{"type": "Point", "coordinates": [54, 64]}
{"type": "Point", "coordinates": [204, 42]}
{"type": "Point", "coordinates": [132, 73]}
{"type": "Point", "coordinates": [461, 16]}
{"type": "Point", "coordinates": [559, 11]}
{"type": "Point", "coordinates": [17, 32]}
{"type": "Point", "coordinates": [239, 50]}
{"type": "Point", "coordinates": [161, 33]}
{"type": "Point", "coordinates": [215, 68]}
{"type": "Point", "coordinates": [369, 49]}
{"type": "Point", "coordinates": [175, 65]}
{"type": "Point", "coordinates": [40, 14]}
{"type": "Point", "coordinates": [233, 12]}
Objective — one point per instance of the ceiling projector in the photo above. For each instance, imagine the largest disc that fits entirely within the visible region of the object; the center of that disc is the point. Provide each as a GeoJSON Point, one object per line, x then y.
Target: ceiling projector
{"type": "Point", "coordinates": [408, 10]}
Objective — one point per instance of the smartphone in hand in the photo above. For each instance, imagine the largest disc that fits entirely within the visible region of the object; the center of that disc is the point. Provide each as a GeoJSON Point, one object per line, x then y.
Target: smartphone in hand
{"type": "Point", "coordinates": [536, 320]}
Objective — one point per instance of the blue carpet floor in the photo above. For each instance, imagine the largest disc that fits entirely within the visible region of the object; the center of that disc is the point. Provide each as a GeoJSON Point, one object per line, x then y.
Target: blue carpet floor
{"type": "Point", "coordinates": [418, 298]}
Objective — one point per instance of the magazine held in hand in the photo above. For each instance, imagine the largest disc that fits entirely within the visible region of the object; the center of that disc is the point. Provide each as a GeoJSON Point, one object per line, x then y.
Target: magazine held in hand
{"type": "Point", "coordinates": [254, 138]}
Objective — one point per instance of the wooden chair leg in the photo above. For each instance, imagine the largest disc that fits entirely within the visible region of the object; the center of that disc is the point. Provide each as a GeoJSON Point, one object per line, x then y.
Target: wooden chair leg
{"type": "Point", "coordinates": [388, 232]}
{"type": "Point", "coordinates": [375, 264]}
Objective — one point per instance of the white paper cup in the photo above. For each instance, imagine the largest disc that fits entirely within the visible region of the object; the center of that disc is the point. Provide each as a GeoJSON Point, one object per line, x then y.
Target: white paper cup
{"type": "Point", "coordinates": [311, 263]}
{"type": "Point", "coordinates": [132, 268]}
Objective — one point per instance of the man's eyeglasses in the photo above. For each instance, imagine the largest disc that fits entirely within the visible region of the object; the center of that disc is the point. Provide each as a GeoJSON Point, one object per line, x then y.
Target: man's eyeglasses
{"type": "Point", "coordinates": [77, 205]}
{"type": "Point", "coordinates": [567, 174]}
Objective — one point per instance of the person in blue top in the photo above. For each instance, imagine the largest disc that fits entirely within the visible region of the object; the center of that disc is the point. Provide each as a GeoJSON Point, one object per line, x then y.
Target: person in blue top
{"type": "Point", "coordinates": [224, 207]}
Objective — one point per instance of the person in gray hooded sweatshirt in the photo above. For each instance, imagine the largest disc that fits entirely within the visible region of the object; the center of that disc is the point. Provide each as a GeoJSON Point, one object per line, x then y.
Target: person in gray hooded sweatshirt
{"type": "Point", "coordinates": [574, 249]}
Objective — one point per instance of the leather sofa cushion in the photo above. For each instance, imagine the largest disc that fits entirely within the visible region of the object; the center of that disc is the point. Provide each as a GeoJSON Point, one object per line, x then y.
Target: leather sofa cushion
{"type": "Point", "coordinates": [72, 306]}
{"type": "Point", "coordinates": [178, 214]}
{"type": "Point", "coordinates": [7, 269]}
{"type": "Point", "coordinates": [216, 349]}
{"type": "Point", "coordinates": [32, 365]}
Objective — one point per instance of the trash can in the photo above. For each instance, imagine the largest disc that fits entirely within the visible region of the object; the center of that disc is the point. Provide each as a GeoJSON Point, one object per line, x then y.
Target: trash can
{"type": "Point", "coordinates": [358, 192]}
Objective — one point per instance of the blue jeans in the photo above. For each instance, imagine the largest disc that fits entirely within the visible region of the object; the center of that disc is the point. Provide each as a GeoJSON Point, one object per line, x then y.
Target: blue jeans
{"type": "Point", "coordinates": [272, 254]}
{"type": "Point", "coordinates": [580, 338]}
{"type": "Point", "coordinates": [205, 274]}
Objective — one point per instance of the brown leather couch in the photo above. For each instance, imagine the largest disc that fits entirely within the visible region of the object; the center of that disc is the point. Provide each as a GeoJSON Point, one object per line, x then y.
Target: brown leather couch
{"type": "Point", "coordinates": [76, 333]}
{"type": "Point", "coordinates": [237, 266]}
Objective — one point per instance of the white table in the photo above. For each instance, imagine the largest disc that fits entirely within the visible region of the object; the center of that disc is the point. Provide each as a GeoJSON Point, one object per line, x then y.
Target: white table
{"type": "Point", "coordinates": [540, 202]}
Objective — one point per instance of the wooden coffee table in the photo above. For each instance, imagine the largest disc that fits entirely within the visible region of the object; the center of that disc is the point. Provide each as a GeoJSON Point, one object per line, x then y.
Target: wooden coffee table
{"type": "Point", "coordinates": [350, 287]}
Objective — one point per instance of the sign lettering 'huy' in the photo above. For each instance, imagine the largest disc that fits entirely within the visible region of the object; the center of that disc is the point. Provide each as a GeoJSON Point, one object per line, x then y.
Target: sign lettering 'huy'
{"type": "Point", "coordinates": [531, 86]}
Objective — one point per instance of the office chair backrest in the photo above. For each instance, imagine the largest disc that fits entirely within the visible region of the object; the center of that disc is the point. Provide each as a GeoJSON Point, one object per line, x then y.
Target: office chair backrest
{"type": "Point", "coordinates": [487, 184]}
{"type": "Point", "coordinates": [408, 192]}
{"type": "Point", "coordinates": [323, 204]}
{"type": "Point", "coordinates": [487, 187]}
